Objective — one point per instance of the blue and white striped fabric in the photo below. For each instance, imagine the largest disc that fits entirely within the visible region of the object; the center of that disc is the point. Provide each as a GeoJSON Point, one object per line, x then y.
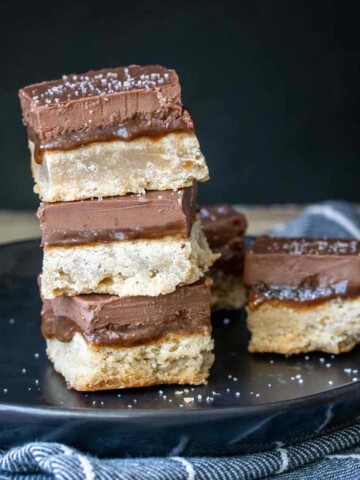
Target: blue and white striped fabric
{"type": "Point", "coordinates": [328, 219]}
{"type": "Point", "coordinates": [333, 456]}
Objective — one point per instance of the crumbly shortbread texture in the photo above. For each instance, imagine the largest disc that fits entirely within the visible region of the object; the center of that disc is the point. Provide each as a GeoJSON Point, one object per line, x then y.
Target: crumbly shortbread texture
{"type": "Point", "coordinates": [332, 327]}
{"type": "Point", "coordinates": [114, 168]}
{"type": "Point", "coordinates": [175, 359]}
{"type": "Point", "coordinates": [126, 268]}
{"type": "Point", "coordinates": [228, 291]}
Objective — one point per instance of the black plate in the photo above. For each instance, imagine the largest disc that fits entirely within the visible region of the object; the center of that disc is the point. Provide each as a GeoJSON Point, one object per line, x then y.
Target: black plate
{"type": "Point", "coordinates": [252, 402]}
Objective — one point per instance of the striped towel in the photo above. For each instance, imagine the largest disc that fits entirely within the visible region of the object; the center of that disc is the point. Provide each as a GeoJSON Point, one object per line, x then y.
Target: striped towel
{"type": "Point", "coordinates": [327, 219]}
{"type": "Point", "coordinates": [334, 456]}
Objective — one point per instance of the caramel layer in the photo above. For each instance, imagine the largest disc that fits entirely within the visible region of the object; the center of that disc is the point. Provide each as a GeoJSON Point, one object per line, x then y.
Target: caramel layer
{"type": "Point", "coordinates": [298, 298]}
{"type": "Point", "coordinates": [154, 127]}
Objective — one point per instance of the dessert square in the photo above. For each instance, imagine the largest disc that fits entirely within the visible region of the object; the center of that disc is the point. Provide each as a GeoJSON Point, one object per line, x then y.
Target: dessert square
{"type": "Point", "coordinates": [224, 228]}
{"type": "Point", "coordinates": [101, 341]}
{"type": "Point", "coordinates": [110, 132]}
{"type": "Point", "coordinates": [304, 295]}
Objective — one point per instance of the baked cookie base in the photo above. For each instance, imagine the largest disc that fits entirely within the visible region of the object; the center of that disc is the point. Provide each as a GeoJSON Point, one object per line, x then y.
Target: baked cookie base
{"type": "Point", "coordinates": [103, 169]}
{"type": "Point", "coordinates": [332, 326]}
{"type": "Point", "coordinates": [126, 268]}
{"type": "Point", "coordinates": [174, 359]}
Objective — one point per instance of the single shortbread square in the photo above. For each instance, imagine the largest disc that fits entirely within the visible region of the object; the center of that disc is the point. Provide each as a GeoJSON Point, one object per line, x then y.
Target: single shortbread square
{"type": "Point", "coordinates": [304, 295]}
{"type": "Point", "coordinates": [101, 341]}
{"type": "Point", "coordinates": [110, 132]}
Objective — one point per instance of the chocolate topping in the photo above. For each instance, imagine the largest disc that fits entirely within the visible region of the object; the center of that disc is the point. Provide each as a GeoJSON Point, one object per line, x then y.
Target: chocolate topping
{"type": "Point", "coordinates": [231, 260]}
{"type": "Point", "coordinates": [117, 103]}
{"type": "Point", "coordinates": [154, 214]}
{"type": "Point", "coordinates": [222, 224]}
{"type": "Point", "coordinates": [308, 264]}
{"type": "Point", "coordinates": [224, 228]}
{"type": "Point", "coordinates": [114, 321]}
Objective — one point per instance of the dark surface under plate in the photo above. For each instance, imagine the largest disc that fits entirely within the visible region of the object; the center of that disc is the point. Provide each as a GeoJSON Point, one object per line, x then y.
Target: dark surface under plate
{"type": "Point", "coordinates": [252, 402]}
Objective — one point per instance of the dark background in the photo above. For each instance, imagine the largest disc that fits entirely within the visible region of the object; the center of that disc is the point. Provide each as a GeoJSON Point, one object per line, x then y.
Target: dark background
{"type": "Point", "coordinates": [273, 86]}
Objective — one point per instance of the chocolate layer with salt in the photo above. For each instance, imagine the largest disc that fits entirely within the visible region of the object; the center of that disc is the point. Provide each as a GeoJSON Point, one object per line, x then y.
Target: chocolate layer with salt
{"type": "Point", "coordinates": [115, 103]}
{"type": "Point", "coordinates": [154, 214]}
{"type": "Point", "coordinates": [107, 320]}
{"type": "Point", "coordinates": [302, 269]}
{"type": "Point", "coordinates": [224, 228]}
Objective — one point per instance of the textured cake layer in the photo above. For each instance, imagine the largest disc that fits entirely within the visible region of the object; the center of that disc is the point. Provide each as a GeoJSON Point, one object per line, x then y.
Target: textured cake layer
{"type": "Point", "coordinates": [126, 268]}
{"type": "Point", "coordinates": [332, 326]}
{"type": "Point", "coordinates": [106, 169]}
{"type": "Point", "coordinates": [174, 359]}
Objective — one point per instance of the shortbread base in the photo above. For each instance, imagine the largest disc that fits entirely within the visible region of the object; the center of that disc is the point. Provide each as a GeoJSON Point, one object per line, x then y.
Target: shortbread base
{"type": "Point", "coordinates": [126, 268]}
{"type": "Point", "coordinates": [175, 359]}
{"type": "Point", "coordinates": [332, 326]}
{"type": "Point", "coordinates": [103, 169]}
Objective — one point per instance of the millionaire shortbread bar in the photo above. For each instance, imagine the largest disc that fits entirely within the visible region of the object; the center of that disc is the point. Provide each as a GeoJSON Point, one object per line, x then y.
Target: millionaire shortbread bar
{"type": "Point", "coordinates": [304, 295]}
{"type": "Point", "coordinates": [102, 341]}
{"type": "Point", "coordinates": [110, 132]}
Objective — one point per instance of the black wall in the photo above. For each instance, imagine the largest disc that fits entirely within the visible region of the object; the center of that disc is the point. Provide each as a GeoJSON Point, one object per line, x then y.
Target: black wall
{"type": "Point", "coordinates": [273, 85]}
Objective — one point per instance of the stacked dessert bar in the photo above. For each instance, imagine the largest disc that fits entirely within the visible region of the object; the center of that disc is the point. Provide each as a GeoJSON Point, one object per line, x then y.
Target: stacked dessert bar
{"type": "Point", "coordinates": [224, 228]}
{"type": "Point", "coordinates": [303, 295]}
{"type": "Point", "coordinates": [116, 161]}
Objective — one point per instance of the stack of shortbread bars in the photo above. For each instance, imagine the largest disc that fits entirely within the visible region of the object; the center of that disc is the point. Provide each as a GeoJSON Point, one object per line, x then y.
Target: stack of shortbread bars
{"type": "Point", "coordinates": [116, 162]}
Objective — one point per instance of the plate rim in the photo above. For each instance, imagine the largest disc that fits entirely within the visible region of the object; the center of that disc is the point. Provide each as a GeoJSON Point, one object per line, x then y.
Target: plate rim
{"type": "Point", "coordinates": [320, 397]}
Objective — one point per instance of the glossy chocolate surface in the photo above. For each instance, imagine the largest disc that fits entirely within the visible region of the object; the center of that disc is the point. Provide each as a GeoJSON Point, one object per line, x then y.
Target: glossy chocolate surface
{"type": "Point", "coordinates": [154, 214]}
{"type": "Point", "coordinates": [300, 261]}
{"type": "Point", "coordinates": [109, 320]}
{"type": "Point", "coordinates": [301, 270]}
{"type": "Point", "coordinates": [115, 103]}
